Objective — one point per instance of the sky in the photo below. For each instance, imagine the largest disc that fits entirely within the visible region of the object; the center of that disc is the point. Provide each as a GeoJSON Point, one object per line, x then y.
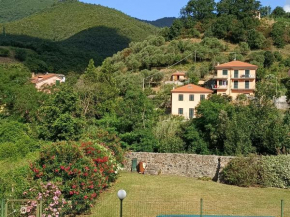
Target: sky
{"type": "Point", "coordinates": [155, 9]}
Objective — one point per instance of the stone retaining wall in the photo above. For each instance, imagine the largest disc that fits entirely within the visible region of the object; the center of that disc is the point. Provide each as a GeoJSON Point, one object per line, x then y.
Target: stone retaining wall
{"type": "Point", "coordinates": [190, 165]}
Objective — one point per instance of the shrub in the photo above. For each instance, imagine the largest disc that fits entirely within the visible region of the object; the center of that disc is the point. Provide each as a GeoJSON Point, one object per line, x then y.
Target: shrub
{"type": "Point", "coordinates": [4, 52]}
{"type": "Point", "coordinates": [53, 202]}
{"type": "Point", "coordinates": [243, 172]}
{"type": "Point", "coordinates": [268, 171]}
{"type": "Point", "coordinates": [20, 54]}
{"type": "Point", "coordinates": [82, 170]}
{"type": "Point", "coordinates": [15, 140]}
{"type": "Point", "coordinates": [277, 171]}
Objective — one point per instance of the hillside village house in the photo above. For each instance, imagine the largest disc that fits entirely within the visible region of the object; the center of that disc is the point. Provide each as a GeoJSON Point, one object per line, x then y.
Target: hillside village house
{"type": "Point", "coordinates": [178, 76]}
{"type": "Point", "coordinates": [184, 99]}
{"type": "Point", "coordinates": [235, 78]}
{"type": "Point", "coordinates": [41, 80]}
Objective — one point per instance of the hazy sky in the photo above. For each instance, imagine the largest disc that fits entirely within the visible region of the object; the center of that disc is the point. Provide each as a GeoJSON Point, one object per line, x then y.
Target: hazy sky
{"type": "Point", "coordinates": [155, 9]}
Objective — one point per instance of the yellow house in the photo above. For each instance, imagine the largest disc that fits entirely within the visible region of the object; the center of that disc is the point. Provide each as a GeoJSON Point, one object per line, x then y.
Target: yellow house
{"type": "Point", "coordinates": [234, 78]}
{"type": "Point", "coordinates": [184, 99]}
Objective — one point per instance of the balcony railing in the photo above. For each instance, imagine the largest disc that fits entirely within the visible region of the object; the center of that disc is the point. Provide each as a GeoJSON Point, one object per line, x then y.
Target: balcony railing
{"type": "Point", "coordinates": [242, 88]}
{"type": "Point", "coordinates": [221, 77]}
{"type": "Point", "coordinates": [219, 87]}
{"type": "Point", "coordinates": [244, 77]}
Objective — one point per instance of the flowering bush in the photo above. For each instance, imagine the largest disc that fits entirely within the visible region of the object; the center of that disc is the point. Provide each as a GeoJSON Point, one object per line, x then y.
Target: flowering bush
{"type": "Point", "coordinates": [109, 140]}
{"type": "Point", "coordinates": [82, 170]}
{"type": "Point", "coordinates": [53, 201]}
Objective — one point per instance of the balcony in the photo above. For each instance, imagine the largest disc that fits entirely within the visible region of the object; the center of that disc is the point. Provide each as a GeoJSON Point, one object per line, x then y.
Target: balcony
{"type": "Point", "coordinates": [219, 87]}
{"type": "Point", "coordinates": [243, 77]}
{"type": "Point", "coordinates": [220, 77]}
{"type": "Point", "coordinates": [243, 89]}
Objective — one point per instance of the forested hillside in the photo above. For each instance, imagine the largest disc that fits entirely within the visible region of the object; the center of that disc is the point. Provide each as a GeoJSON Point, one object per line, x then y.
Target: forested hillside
{"type": "Point", "coordinates": [65, 36]}
{"type": "Point", "coordinates": [17, 9]}
{"type": "Point", "coordinates": [162, 22]}
{"type": "Point", "coordinates": [120, 100]}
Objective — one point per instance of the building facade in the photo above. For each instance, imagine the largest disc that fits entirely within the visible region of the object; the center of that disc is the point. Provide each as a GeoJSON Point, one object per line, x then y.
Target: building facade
{"type": "Point", "coordinates": [42, 80]}
{"type": "Point", "coordinates": [185, 99]}
{"type": "Point", "coordinates": [235, 78]}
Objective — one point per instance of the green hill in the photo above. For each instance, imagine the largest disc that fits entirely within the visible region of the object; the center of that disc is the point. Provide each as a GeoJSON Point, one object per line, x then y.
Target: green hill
{"type": "Point", "coordinates": [75, 30]}
{"type": "Point", "coordinates": [162, 22]}
{"type": "Point", "coordinates": [17, 9]}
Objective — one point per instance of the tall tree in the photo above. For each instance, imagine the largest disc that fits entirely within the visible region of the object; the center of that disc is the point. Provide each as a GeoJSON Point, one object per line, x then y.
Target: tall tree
{"type": "Point", "coordinates": [199, 9]}
{"type": "Point", "coordinates": [239, 8]}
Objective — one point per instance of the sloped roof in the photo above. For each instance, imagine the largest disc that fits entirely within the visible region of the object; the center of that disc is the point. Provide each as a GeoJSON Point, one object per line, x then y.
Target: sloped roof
{"type": "Point", "coordinates": [179, 73]}
{"type": "Point", "coordinates": [236, 64]}
{"type": "Point", "coordinates": [42, 77]}
{"type": "Point", "coordinates": [191, 88]}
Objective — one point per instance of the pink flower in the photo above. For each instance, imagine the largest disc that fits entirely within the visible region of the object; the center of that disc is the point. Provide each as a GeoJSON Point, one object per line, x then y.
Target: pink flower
{"type": "Point", "coordinates": [24, 193]}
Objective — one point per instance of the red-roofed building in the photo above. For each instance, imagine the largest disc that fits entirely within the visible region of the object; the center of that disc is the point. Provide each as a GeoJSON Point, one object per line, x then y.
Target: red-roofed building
{"type": "Point", "coordinates": [41, 80]}
{"type": "Point", "coordinates": [185, 99]}
{"type": "Point", "coordinates": [235, 78]}
{"type": "Point", "coordinates": [178, 76]}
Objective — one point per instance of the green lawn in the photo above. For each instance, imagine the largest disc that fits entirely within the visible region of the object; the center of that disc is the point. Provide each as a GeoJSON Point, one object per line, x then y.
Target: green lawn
{"type": "Point", "coordinates": [149, 196]}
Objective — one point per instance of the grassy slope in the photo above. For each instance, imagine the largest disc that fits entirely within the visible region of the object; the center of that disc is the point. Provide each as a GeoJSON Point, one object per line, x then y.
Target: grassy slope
{"type": "Point", "coordinates": [149, 196]}
{"type": "Point", "coordinates": [67, 19]}
{"type": "Point", "coordinates": [16, 9]}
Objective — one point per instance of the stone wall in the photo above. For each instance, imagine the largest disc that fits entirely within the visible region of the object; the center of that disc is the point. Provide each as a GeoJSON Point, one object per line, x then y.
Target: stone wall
{"type": "Point", "coordinates": [190, 165]}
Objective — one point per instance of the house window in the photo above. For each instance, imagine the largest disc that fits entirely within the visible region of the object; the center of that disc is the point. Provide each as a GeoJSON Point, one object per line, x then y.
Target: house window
{"type": "Point", "coordinates": [191, 97]}
{"type": "Point", "coordinates": [247, 84]}
{"type": "Point", "coordinates": [247, 73]}
{"type": "Point", "coordinates": [191, 113]}
{"type": "Point", "coordinates": [220, 83]}
{"type": "Point", "coordinates": [180, 97]}
{"type": "Point", "coordinates": [202, 97]}
{"type": "Point", "coordinates": [225, 72]}
{"type": "Point", "coordinates": [236, 74]}
{"type": "Point", "coordinates": [180, 111]}
{"type": "Point", "coordinates": [236, 84]}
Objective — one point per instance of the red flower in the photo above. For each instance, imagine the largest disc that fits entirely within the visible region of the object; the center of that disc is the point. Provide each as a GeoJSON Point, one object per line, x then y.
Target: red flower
{"type": "Point", "coordinates": [62, 167]}
{"type": "Point", "coordinates": [43, 166]}
{"type": "Point", "coordinates": [85, 197]}
{"type": "Point", "coordinates": [71, 193]}
{"type": "Point", "coordinates": [83, 183]}
{"type": "Point", "coordinates": [74, 186]}
{"type": "Point", "coordinates": [85, 174]}
{"type": "Point", "coordinates": [56, 170]}
{"type": "Point", "coordinates": [95, 170]}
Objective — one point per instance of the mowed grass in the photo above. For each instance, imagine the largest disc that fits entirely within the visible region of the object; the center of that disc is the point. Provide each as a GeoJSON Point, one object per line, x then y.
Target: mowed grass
{"type": "Point", "coordinates": [149, 196]}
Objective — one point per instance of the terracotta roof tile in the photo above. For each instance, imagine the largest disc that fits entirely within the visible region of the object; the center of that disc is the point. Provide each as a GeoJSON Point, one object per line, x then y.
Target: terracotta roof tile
{"type": "Point", "coordinates": [236, 64]}
{"type": "Point", "coordinates": [191, 88]}
{"type": "Point", "coordinates": [41, 77]}
{"type": "Point", "coordinates": [179, 73]}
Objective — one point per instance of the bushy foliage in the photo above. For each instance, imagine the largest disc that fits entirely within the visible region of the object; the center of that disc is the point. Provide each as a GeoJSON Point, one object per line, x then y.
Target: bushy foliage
{"type": "Point", "coordinates": [268, 171]}
{"type": "Point", "coordinates": [53, 202]}
{"type": "Point", "coordinates": [4, 52]}
{"type": "Point", "coordinates": [16, 140]}
{"type": "Point", "coordinates": [243, 172]}
{"type": "Point", "coordinates": [82, 171]}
